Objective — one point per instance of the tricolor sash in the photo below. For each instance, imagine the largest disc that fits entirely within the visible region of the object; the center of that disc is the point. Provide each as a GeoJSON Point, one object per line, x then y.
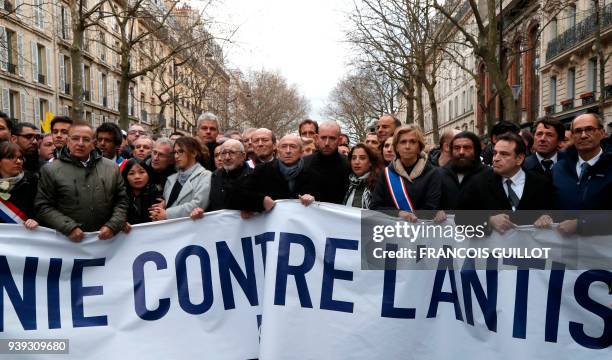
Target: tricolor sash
{"type": "Point", "coordinates": [397, 190]}
{"type": "Point", "coordinates": [10, 214]}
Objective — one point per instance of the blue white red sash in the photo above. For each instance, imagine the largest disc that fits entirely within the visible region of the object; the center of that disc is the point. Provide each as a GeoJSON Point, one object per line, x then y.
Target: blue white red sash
{"type": "Point", "coordinates": [397, 190]}
{"type": "Point", "coordinates": [10, 214]}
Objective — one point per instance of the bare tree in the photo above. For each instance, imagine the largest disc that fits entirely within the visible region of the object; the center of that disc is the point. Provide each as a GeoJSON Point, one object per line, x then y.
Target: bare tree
{"type": "Point", "coordinates": [145, 28]}
{"type": "Point", "coordinates": [359, 98]}
{"type": "Point", "coordinates": [269, 101]}
{"type": "Point", "coordinates": [401, 38]}
{"type": "Point", "coordinates": [84, 14]}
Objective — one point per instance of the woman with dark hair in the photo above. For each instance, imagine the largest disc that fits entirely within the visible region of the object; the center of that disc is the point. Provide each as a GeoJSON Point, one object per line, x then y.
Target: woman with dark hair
{"type": "Point", "coordinates": [366, 166]}
{"type": "Point", "coordinates": [17, 188]}
{"type": "Point", "coordinates": [388, 153]}
{"type": "Point", "coordinates": [141, 192]}
{"type": "Point", "coordinates": [189, 188]}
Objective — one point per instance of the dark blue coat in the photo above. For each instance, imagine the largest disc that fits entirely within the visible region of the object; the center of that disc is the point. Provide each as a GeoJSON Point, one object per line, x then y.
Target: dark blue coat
{"type": "Point", "coordinates": [592, 192]}
{"type": "Point", "coordinates": [532, 163]}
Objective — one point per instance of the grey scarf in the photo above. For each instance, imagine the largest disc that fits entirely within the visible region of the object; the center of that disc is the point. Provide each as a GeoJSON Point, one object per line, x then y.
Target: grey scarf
{"type": "Point", "coordinates": [183, 175]}
{"type": "Point", "coordinates": [290, 173]}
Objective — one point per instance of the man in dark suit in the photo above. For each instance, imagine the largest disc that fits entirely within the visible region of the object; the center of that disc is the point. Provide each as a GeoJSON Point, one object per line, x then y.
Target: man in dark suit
{"type": "Point", "coordinates": [508, 188]}
{"type": "Point", "coordinates": [548, 133]}
{"type": "Point", "coordinates": [285, 177]}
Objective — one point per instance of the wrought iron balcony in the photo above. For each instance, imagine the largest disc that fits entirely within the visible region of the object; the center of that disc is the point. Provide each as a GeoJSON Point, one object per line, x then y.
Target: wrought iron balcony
{"type": "Point", "coordinates": [104, 101]}
{"type": "Point", "coordinates": [41, 78]}
{"type": "Point", "coordinates": [67, 89]}
{"type": "Point", "coordinates": [550, 109]}
{"type": "Point", "coordinates": [578, 33]}
{"type": "Point", "coordinates": [587, 98]}
{"type": "Point", "coordinates": [567, 104]}
{"type": "Point", "coordinates": [86, 95]}
{"type": "Point", "coordinates": [12, 68]}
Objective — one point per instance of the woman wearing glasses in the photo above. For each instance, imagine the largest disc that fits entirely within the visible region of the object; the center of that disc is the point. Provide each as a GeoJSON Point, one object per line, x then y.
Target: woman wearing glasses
{"type": "Point", "coordinates": [189, 188]}
{"type": "Point", "coordinates": [17, 188]}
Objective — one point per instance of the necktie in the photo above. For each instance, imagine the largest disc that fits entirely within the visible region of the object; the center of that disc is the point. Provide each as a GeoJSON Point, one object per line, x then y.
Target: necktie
{"type": "Point", "coordinates": [547, 165]}
{"type": "Point", "coordinates": [583, 170]}
{"type": "Point", "coordinates": [514, 200]}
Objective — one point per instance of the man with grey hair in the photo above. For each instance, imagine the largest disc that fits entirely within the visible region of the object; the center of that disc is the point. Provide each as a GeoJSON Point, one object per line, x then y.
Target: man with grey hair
{"type": "Point", "coordinates": [208, 130]}
{"type": "Point", "coordinates": [330, 167]}
{"type": "Point", "coordinates": [162, 163]}
{"type": "Point", "coordinates": [224, 179]}
{"type": "Point", "coordinates": [282, 178]}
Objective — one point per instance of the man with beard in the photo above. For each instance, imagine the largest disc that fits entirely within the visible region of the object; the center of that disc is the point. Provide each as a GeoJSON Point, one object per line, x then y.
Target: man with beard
{"type": "Point", "coordinates": [464, 164]}
{"type": "Point", "coordinates": [232, 171]}
{"type": "Point", "coordinates": [548, 133]}
{"type": "Point", "coordinates": [26, 135]}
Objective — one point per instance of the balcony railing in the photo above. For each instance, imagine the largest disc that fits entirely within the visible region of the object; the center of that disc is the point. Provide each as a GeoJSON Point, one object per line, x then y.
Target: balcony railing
{"type": "Point", "coordinates": [86, 95]}
{"type": "Point", "coordinates": [587, 98]}
{"type": "Point", "coordinates": [550, 109]}
{"type": "Point", "coordinates": [567, 104]}
{"type": "Point", "coordinates": [578, 33]}
{"type": "Point", "coordinates": [104, 101]}
{"type": "Point", "coordinates": [41, 78]}
{"type": "Point", "coordinates": [12, 68]}
{"type": "Point", "coordinates": [67, 89]}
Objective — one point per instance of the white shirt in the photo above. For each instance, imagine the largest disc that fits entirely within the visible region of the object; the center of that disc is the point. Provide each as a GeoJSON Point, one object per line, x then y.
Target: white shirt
{"type": "Point", "coordinates": [540, 158]}
{"type": "Point", "coordinates": [518, 184]}
{"type": "Point", "coordinates": [591, 162]}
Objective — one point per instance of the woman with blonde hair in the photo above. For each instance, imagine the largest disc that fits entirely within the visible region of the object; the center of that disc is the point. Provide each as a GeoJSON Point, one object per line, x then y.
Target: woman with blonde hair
{"type": "Point", "coordinates": [409, 183]}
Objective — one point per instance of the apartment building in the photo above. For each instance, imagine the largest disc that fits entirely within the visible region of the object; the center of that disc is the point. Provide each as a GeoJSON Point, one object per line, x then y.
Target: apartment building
{"type": "Point", "coordinates": [571, 68]}
{"type": "Point", "coordinates": [36, 71]}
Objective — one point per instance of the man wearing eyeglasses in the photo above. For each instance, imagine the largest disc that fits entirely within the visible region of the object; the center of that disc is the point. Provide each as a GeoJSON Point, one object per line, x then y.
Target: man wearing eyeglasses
{"type": "Point", "coordinates": [233, 169]}
{"type": "Point", "coordinates": [82, 191]}
{"type": "Point", "coordinates": [26, 135]}
{"type": "Point", "coordinates": [583, 180]}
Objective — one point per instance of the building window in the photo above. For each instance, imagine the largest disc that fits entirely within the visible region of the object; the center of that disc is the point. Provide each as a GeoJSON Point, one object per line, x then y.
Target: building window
{"type": "Point", "coordinates": [571, 83]}
{"type": "Point", "coordinates": [553, 28]}
{"type": "Point", "coordinates": [553, 91]}
{"type": "Point", "coordinates": [571, 16]}
{"type": "Point", "coordinates": [592, 75]}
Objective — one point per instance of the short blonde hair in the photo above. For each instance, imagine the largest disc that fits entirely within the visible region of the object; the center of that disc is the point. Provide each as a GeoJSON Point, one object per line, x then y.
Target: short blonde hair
{"type": "Point", "coordinates": [408, 129]}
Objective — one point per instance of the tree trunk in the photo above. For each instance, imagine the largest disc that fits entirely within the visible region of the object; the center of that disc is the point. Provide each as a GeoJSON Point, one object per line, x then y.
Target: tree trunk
{"type": "Point", "coordinates": [433, 105]}
{"type": "Point", "coordinates": [76, 59]}
{"type": "Point", "coordinates": [503, 89]}
{"type": "Point", "coordinates": [601, 58]}
{"type": "Point", "coordinates": [124, 90]}
{"type": "Point", "coordinates": [419, 104]}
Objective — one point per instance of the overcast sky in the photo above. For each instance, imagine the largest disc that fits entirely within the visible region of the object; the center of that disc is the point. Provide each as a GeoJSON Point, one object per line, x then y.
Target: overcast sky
{"type": "Point", "coordinates": [301, 39]}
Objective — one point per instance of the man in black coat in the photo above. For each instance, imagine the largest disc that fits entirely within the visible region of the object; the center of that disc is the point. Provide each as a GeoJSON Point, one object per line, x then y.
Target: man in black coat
{"type": "Point", "coordinates": [282, 178]}
{"type": "Point", "coordinates": [233, 171]}
{"type": "Point", "coordinates": [330, 167]}
{"type": "Point", "coordinates": [507, 188]}
{"type": "Point", "coordinates": [548, 133]}
{"type": "Point", "coordinates": [464, 165]}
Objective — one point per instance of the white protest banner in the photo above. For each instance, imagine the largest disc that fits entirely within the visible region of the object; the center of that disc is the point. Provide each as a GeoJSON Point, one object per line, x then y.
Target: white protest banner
{"type": "Point", "coordinates": [186, 289]}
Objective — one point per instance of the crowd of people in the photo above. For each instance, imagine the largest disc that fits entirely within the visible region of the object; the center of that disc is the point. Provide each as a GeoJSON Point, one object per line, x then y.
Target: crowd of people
{"type": "Point", "coordinates": [78, 179]}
